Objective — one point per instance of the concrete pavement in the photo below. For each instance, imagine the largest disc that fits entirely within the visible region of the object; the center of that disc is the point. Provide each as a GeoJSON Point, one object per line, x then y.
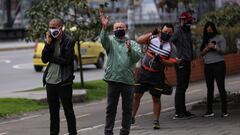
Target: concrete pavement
{"type": "Point", "coordinates": [216, 125]}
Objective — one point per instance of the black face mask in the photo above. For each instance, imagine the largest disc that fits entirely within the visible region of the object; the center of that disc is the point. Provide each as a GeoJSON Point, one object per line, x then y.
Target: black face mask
{"type": "Point", "coordinates": [211, 35]}
{"type": "Point", "coordinates": [119, 33]}
{"type": "Point", "coordinates": [186, 27]}
{"type": "Point", "coordinates": [165, 37]}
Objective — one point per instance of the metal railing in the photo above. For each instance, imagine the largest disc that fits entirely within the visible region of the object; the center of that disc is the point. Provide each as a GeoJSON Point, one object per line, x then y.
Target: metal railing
{"type": "Point", "coordinates": [143, 19]}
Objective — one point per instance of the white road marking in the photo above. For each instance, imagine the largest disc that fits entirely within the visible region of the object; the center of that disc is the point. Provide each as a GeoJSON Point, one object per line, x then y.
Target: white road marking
{"type": "Point", "coordinates": [23, 66]}
{"type": "Point", "coordinates": [194, 91]}
{"type": "Point", "coordinates": [6, 61]}
{"type": "Point", "coordinates": [150, 113]}
{"type": "Point", "coordinates": [4, 133]}
{"type": "Point", "coordinates": [21, 119]}
{"type": "Point", "coordinates": [77, 117]}
{"type": "Point", "coordinates": [233, 82]}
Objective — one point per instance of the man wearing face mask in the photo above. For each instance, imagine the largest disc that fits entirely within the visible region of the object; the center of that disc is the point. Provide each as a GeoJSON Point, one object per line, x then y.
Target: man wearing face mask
{"type": "Point", "coordinates": [182, 39]}
{"type": "Point", "coordinates": [160, 53]}
{"type": "Point", "coordinates": [58, 77]}
{"type": "Point", "coordinates": [123, 54]}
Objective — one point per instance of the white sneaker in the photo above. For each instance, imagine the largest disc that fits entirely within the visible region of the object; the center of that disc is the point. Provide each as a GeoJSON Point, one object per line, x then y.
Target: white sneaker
{"type": "Point", "coordinates": [206, 115]}
{"type": "Point", "coordinates": [225, 114]}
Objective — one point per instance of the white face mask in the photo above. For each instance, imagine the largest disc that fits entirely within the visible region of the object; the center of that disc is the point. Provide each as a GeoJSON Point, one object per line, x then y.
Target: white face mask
{"type": "Point", "coordinates": [54, 32]}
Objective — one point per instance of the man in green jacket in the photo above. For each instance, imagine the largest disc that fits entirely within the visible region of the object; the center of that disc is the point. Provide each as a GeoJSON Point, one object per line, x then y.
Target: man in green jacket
{"type": "Point", "coordinates": [123, 55]}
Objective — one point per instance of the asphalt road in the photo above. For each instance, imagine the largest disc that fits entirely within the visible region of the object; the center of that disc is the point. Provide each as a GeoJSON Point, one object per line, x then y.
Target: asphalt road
{"type": "Point", "coordinates": [17, 73]}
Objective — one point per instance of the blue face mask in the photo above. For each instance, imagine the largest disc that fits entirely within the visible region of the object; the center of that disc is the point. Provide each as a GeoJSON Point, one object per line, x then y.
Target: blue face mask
{"type": "Point", "coordinates": [54, 32]}
{"type": "Point", "coordinates": [119, 33]}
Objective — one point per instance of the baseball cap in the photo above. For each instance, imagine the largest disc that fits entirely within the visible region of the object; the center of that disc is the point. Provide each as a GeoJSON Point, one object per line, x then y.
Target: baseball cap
{"type": "Point", "coordinates": [186, 16]}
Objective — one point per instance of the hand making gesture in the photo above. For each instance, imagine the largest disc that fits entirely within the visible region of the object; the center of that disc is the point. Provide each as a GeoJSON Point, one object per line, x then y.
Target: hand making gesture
{"type": "Point", "coordinates": [104, 19]}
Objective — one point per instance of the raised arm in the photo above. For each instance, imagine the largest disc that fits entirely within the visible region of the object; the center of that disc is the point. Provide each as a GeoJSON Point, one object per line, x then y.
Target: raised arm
{"type": "Point", "coordinates": [144, 39]}
{"type": "Point", "coordinates": [106, 43]}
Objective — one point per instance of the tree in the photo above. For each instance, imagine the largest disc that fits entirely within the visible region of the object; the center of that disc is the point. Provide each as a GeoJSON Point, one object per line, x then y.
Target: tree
{"type": "Point", "coordinates": [228, 16]}
{"type": "Point", "coordinates": [79, 20]}
{"type": "Point", "coordinates": [77, 15]}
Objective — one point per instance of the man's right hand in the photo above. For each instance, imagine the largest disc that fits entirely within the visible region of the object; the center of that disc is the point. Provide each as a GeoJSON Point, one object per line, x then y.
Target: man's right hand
{"type": "Point", "coordinates": [48, 37]}
{"type": "Point", "coordinates": [104, 19]}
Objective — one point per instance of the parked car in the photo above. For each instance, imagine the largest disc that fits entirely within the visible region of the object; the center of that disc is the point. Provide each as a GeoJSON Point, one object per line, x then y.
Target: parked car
{"type": "Point", "coordinates": [92, 53]}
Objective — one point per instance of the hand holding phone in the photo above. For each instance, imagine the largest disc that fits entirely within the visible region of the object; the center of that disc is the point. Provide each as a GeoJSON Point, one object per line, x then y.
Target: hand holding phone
{"type": "Point", "coordinates": [128, 45]}
{"type": "Point", "coordinates": [48, 37]}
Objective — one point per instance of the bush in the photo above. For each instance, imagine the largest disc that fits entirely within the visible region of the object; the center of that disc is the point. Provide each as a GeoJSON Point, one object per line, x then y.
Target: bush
{"type": "Point", "coordinates": [230, 33]}
{"type": "Point", "coordinates": [228, 16]}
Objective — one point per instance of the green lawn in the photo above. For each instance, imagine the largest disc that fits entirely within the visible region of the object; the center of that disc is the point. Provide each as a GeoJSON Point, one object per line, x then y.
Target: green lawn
{"type": "Point", "coordinates": [96, 90]}
{"type": "Point", "coordinates": [9, 106]}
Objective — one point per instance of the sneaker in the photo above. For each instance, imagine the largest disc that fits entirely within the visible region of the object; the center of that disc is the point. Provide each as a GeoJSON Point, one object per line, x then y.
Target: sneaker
{"type": "Point", "coordinates": [189, 115]}
{"type": "Point", "coordinates": [208, 114]}
{"type": "Point", "coordinates": [156, 124]}
{"type": "Point", "coordinates": [133, 120]}
{"type": "Point", "coordinates": [225, 114]}
{"type": "Point", "coordinates": [179, 117]}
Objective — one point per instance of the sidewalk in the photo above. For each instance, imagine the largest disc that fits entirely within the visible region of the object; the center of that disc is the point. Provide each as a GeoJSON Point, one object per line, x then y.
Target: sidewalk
{"type": "Point", "coordinates": [196, 126]}
{"type": "Point", "coordinates": [15, 45]}
{"type": "Point", "coordinates": [216, 125]}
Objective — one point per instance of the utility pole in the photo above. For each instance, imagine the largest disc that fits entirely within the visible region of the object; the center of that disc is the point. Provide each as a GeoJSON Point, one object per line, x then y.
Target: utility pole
{"type": "Point", "coordinates": [130, 20]}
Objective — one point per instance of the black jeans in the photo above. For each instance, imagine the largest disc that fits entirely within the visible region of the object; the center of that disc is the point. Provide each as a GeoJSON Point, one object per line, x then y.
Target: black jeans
{"type": "Point", "coordinates": [64, 93]}
{"type": "Point", "coordinates": [216, 71]}
{"type": "Point", "coordinates": [114, 91]}
{"type": "Point", "coordinates": [183, 72]}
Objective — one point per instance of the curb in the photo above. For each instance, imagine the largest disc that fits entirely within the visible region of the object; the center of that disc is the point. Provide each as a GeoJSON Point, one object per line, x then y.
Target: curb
{"type": "Point", "coordinates": [75, 99]}
{"type": "Point", "coordinates": [16, 48]}
{"type": "Point", "coordinates": [78, 96]}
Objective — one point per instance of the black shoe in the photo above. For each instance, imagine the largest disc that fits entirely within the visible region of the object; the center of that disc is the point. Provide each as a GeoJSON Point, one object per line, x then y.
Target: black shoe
{"type": "Point", "coordinates": [179, 117]}
{"type": "Point", "coordinates": [208, 114]}
{"type": "Point", "coordinates": [133, 120]}
{"type": "Point", "coordinates": [156, 124]}
{"type": "Point", "coordinates": [189, 115]}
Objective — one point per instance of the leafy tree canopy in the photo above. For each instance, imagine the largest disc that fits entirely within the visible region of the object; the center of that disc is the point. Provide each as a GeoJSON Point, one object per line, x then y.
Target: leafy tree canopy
{"type": "Point", "coordinates": [79, 19]}
{"type": "Point", "coordinates": [228, 16]}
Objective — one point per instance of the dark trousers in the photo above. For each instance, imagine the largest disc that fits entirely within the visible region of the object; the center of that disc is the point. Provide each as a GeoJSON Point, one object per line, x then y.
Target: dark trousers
{"type": "Point", "coordinates": [183, 72]}
{"type": "Point", "coordinates": [114, 91]}
{"type": "Point", "coordinates": [64, 93]}
{"type": "Point", "coordinates": [216, 71]}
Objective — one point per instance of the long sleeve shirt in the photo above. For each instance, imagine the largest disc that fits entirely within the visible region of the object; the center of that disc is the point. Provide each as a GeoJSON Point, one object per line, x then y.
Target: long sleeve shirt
{"type": "Point", "coordinates": [120, 63]}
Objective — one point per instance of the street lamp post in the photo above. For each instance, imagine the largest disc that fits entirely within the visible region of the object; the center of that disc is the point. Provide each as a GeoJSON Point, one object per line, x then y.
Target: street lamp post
{"type": "Point", "coordinates": [130, 21]}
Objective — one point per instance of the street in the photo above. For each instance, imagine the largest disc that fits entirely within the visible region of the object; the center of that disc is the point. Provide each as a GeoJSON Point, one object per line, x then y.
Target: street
{"type": "Point", "coordinates": [17, 72]}
{"type": "Point", "coordinates": [91, 116]}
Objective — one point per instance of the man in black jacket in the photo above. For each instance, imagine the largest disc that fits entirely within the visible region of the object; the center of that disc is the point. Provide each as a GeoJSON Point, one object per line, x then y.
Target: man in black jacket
{"type": "Point", "coordinates": [58, 76]}
{"type": "Point", "coordinates": [182, 39]}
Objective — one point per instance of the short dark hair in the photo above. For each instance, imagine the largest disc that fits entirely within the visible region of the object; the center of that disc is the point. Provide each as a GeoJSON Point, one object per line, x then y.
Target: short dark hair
{"type": "Point", "coordinates": [169, 25]}
{"type": "Point", "coordinates": [60, 21]}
